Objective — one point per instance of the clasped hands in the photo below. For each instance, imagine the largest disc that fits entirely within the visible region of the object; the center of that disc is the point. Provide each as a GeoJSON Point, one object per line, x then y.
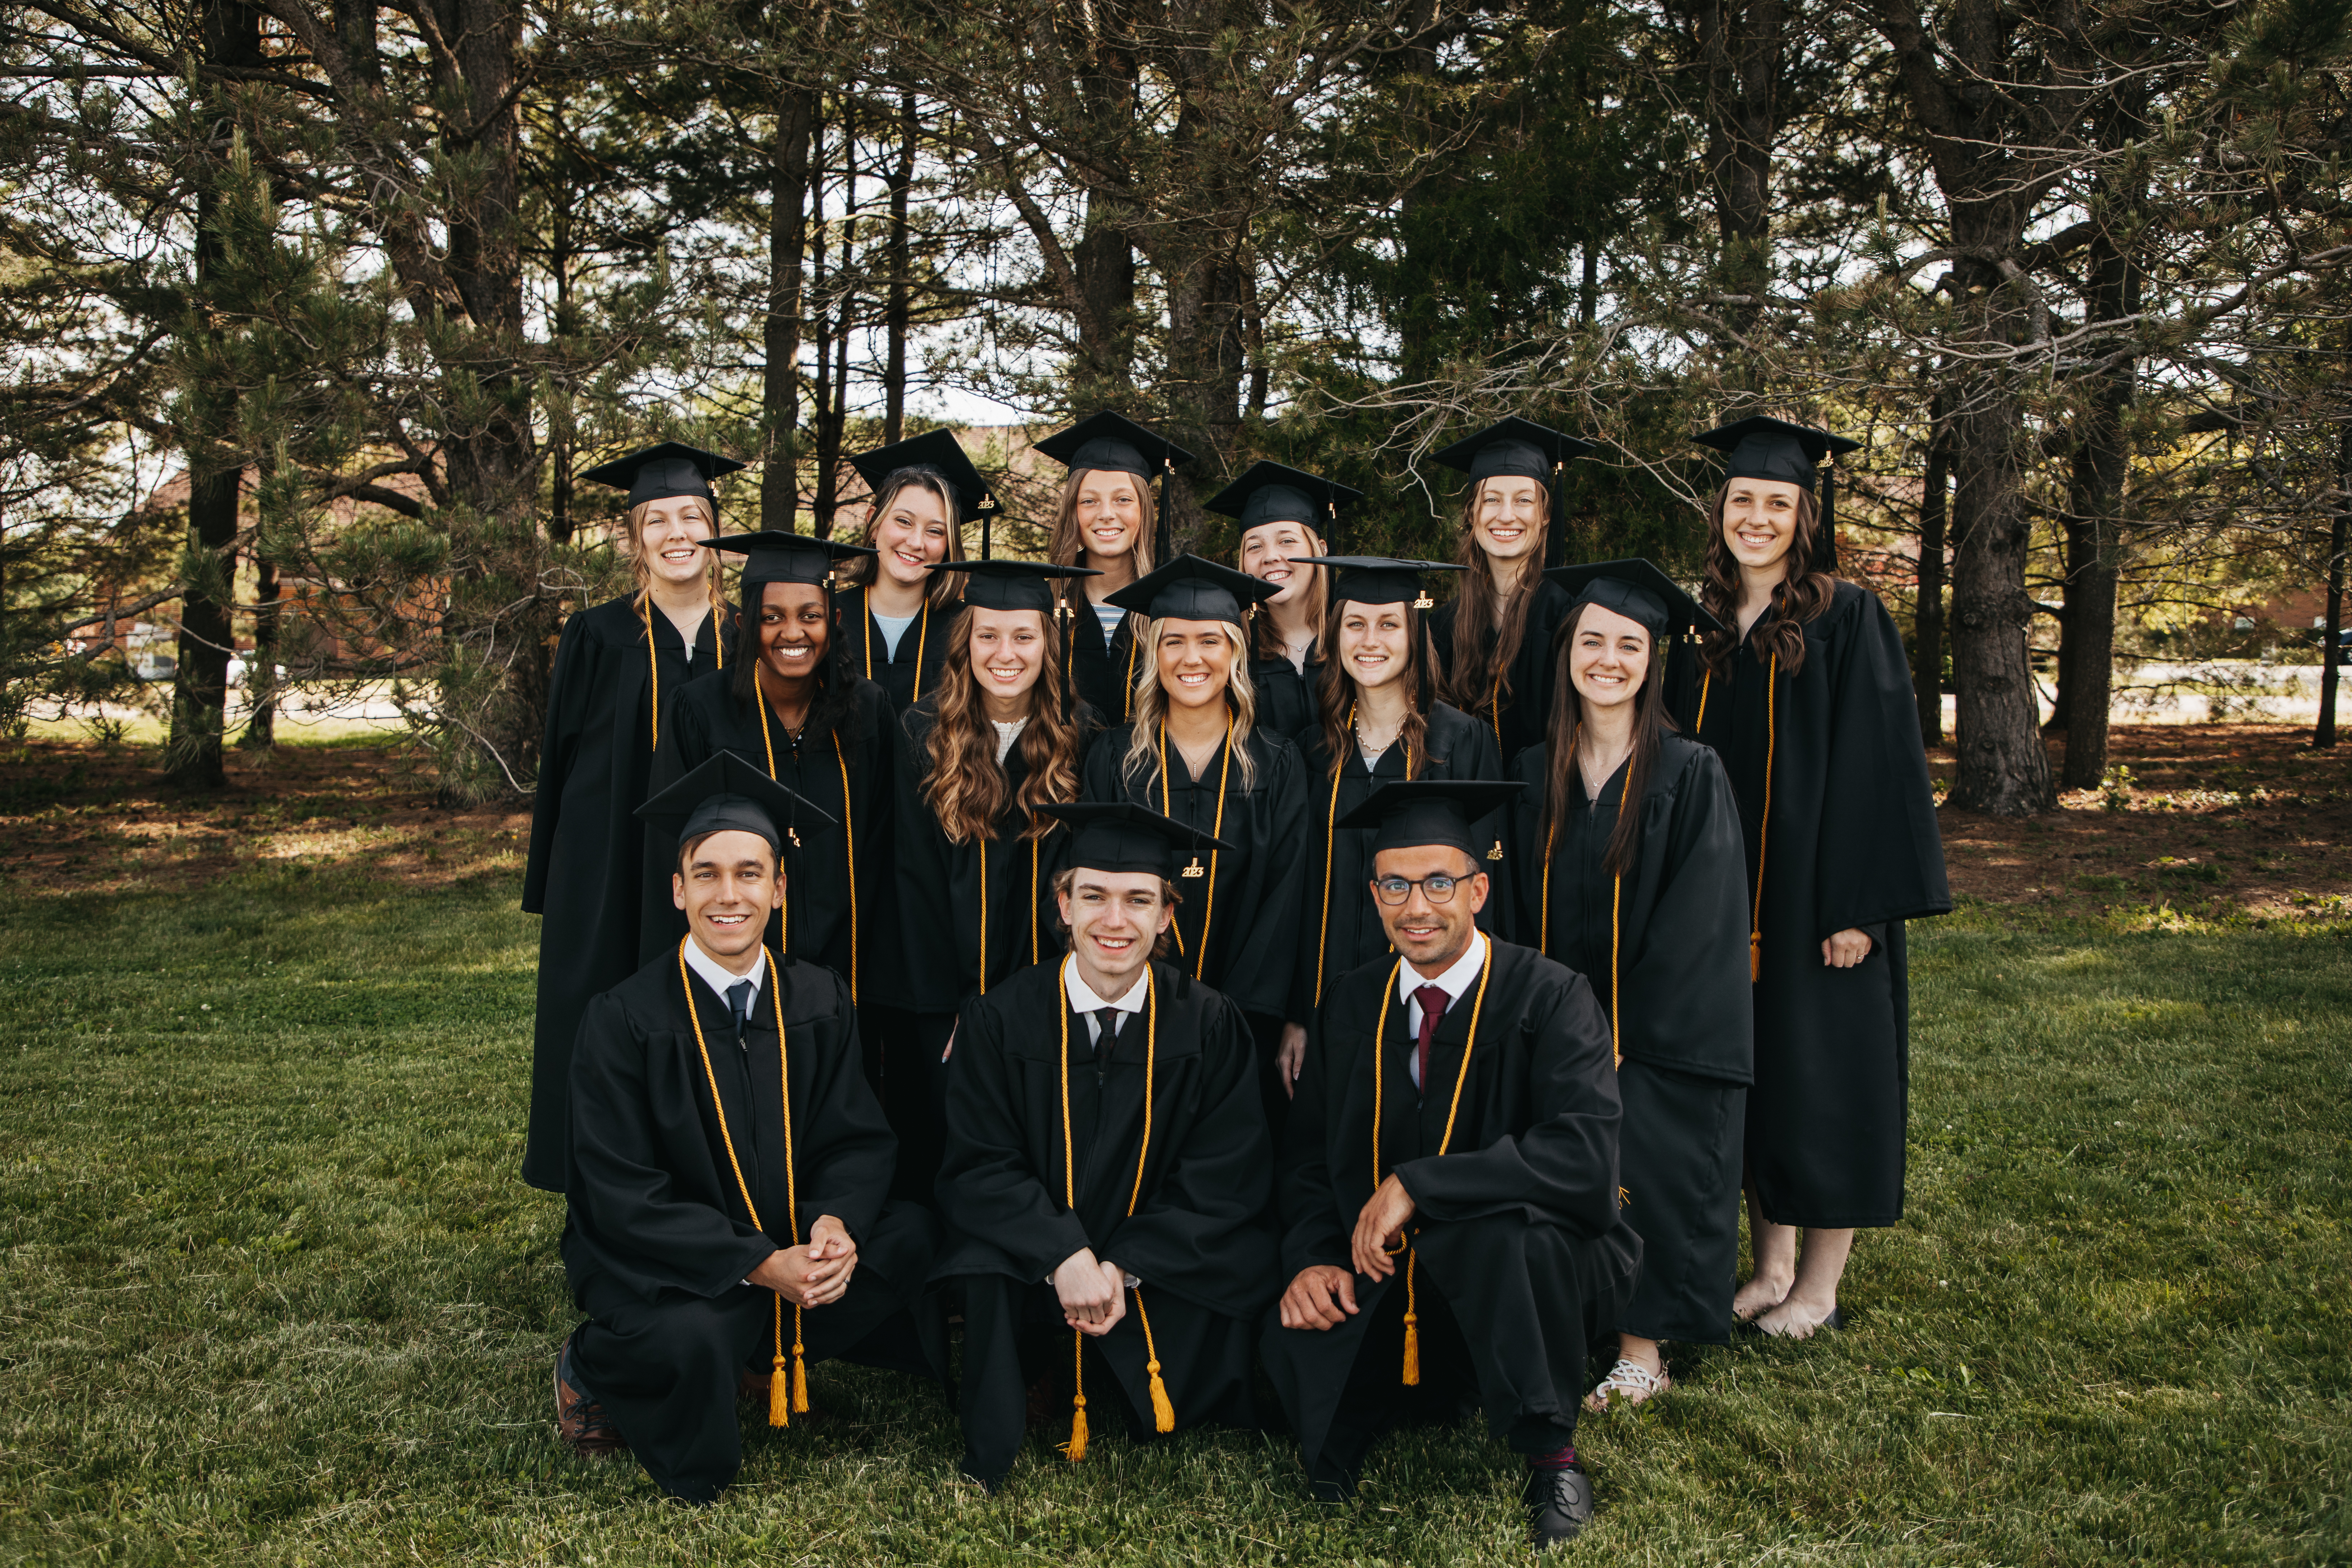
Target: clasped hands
{"type": "Point", "coordinates": [814, 1275]}
{"type": "Point", "coordinates": [1323, 1296]}
{"type": "Point", "coordinates": [1092, 1291]}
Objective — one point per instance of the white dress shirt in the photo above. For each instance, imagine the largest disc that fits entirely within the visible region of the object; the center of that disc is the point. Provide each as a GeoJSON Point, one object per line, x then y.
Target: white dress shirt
{"type": "Point", "coordinates": [1459, 978]}
{"type": "Point", "coordinates": [715, 975]}
{"type": "Point", "coordinates": [1086, 1004]}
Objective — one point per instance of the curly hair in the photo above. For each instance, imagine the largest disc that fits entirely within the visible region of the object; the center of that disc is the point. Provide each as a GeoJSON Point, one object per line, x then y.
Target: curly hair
{"type": "Point", "coordinates": [1479, 621]}
{"type": "Point", "coordinates": [1151, 708]}
{"type": "Point", "coordinates": [965, 788]}
{"type": "Point", "coordinates": [1801, 594]}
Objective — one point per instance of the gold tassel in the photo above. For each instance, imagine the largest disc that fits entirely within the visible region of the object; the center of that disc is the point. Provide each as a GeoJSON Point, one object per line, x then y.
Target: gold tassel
{"type": "Point", "coordinates": [800, 1368]}
{"type": "Point", "coordinates": [1755, 956]}
{"type": "Point", "coordinates": [1412, 1327]}
{"type": "Point", "coordinates": [1163, 1413]}
{"type": "Point", "coordinates": [1076, 1446]}
{"type": "Point", "coordinates": [780, 1402]}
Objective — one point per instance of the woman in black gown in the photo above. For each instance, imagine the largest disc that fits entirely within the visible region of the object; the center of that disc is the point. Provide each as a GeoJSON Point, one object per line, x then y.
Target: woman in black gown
{"type": "Point", "coordinates": [1495, 635]}
{"type": "Point", "coordinates": [1381, 721]}
{"type": "Point", "coordinates": [616, 667]}
{"type": "Point", "coordinates": [1286, 634]}
{"type": "Point", "coordinates": [1000, 734]}
{"type": "Point", "coordinates": [1194, 751]}
{"type": "Point", "coordinates": [1108, 523]}
{"type": "Point", "coordinates": [894, 610]}
{"type": "Point", "coordinates": [1633, 878]}
{"type": "Point", "coordinates": [1806, 696]}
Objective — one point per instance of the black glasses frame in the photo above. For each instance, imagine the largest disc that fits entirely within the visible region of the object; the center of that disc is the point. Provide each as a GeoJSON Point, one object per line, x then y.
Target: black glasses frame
{"type": "Point", "coordinates": [1381, 887]}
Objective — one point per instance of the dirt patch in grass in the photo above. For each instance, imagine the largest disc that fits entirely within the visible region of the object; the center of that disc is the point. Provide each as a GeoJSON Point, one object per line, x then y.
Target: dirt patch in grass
{"type": "Point", "coordinates": [2208, 819]}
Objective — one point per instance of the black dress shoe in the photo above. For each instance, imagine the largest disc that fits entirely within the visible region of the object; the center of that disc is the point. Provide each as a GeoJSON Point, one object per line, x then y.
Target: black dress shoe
{"type": "Point", "coordinates": [1560, 1504]}
{"type": "Point", "coordinates": [1338, 1492]}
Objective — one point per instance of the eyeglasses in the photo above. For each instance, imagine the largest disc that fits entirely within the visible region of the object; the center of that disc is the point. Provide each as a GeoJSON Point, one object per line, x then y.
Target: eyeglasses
{"type": "Point", "coordinates": [1397, 889]}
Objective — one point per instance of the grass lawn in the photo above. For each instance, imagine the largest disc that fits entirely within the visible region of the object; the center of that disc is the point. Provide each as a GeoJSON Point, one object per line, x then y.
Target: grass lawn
{"type": "Point", "coordinates": [273, 1293]}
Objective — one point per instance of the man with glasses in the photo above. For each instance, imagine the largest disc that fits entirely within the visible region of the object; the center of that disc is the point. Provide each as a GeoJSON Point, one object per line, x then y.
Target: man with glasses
{"type": "Point", "coordinates": [1448, 1178]}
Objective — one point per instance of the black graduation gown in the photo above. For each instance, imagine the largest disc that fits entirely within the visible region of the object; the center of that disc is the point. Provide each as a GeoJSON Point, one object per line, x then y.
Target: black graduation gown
{"type": "Point", "coordinates": [1516, 1226]}
{"type": "Point", "coordinates": [922, 652]}
{"type": "Point", "coordinates": [1666, 953]}
{"type": "Point", "coordinates": [1852, 843]}
{"type": "Point", "coordinates": [1198, 1237]}
{"type": "Point", "coordinates": [1287, 700]}
{"type": "Point", "coordinates": [586, 843]}
{"type": "Point", "coordinates": [1338, 926]}
{"type": "Point", "coordinates": [1249, 907]}
{"type": "Point", "coordinates": [1517, 717]}
{"type": "Point", "coordinates": [850, 783]}
{"type": "Point", "coordinates": [659, 1240]}
{"type": "Point", "coordinates": [1106, 668]}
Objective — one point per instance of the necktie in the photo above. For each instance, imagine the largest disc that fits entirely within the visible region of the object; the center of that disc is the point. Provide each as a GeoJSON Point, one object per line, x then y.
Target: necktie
{"type": "Point", "coordinates": [1106, 1032]}
{"type": "Point", "coordinates": [1432, 1000]}
{"type": "Point", "coordinates": [739, 1003]}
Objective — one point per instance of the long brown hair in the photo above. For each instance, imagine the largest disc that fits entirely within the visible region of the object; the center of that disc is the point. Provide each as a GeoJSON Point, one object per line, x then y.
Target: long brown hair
{"type": "Point", "coordinates": [965, 789]}
{"type": "Point", "coordinates": [1067, 549]}
{"type": "Point", "coordinates": [1479, 621]}
{"type": "Point", "coordinates": [1650, 720]}
{"type": "Point", "coordinates": [636, 530]}
{"type": "Point", "coordinates": [944, 586]}
{"type": "Point", "coordinates": [1266, 638]}
{"type": "Point", "coordinates": [1801, 594]}
{"type": "Point", "coordinates": [1152, 707]}
{"type": "Point", "coordinates": [1335, 692]}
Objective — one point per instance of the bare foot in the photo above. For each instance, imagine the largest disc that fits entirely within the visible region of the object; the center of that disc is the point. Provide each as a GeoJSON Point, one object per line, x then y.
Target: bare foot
{"type": "Point", "coordinates": [1761, 1294]}
{"type": "Point", "coordinates": [1795, 1319]}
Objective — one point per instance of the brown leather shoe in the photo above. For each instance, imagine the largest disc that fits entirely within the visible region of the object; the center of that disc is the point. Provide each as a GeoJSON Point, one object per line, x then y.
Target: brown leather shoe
{"type": "Point", "coordinates": [580, 1422]}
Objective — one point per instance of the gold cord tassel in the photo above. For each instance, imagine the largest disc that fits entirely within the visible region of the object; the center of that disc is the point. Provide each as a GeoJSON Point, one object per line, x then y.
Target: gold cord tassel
{"type": "Point", "coordinates": [1412, 1326]}
{"type": "Point", "coordinates": [1163, 1410]}
{"type": "Point", "coordinates": [800, 1366]}
{"type": "Point", "coordinates": [1755, 956]}
{"type": "Point", "coordinates": [1077, 1447]}
{"type": "Point", "coordinates": [780, 1405]}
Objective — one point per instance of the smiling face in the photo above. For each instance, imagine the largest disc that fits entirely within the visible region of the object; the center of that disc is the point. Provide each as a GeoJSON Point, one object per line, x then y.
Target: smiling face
{"type": "Point", "coordinates": [666, 532]}
{"type": "Point", "coordinates": [910, 531]}
{"type": "Point", "coordinates": [1609, 657]}
{"type": "Point", "coordinates": [727, 883]}
{"type": "Point", "coordinates": [1760, 520]}
{"type": "Point", "coordinates": [793, 630]}
{"type": "Point", "coordinates": [1114, 917]}
{"type": "Point", "coordinates": [1196, 661]}
{"type": "Point", "coordinates": [1266, 551]}
{"type": "Point", "coordinates": [1108, 510]}
{"type": "Point", "coordinates": [1509, 517]}
{"type": "Point", "coordinates": [1429, 932]}
{"type": "Point", "coordinates": [1008, 650]}
{"type": "Point", "coordinates": [1375, 643]}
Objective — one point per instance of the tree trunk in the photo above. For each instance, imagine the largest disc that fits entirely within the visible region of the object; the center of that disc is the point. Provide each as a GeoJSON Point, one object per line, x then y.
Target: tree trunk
{"type": "Point", "coordinates": [261, 678]}
{"type": "Point", "coordinates": [2331, 653]}
{"type": "Point", "coordinates": [1742, 54]}
{"type": "Point", "coordinates": [1927, 619]}
{"type": "Point", "coordinates": [780, 415]}
{"type": "Point", "coordinates": [1104, 257]}
{"type": "Point", "coordinates": [832, 344]}
{"type": "Point", "coordinates": [894, 312]}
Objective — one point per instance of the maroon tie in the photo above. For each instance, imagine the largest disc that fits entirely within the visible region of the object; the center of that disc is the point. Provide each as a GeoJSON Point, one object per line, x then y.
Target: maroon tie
{"type": "Point", "coordinates": [1432, 1000]}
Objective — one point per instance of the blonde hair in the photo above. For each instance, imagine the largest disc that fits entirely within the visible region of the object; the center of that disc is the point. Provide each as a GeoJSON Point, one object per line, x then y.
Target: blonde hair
{"type": "Point", "coordinates": [944, 586]}
{"type": "Point", "coordinates": [1151, 705]}
{"type": "Point", "coordinates": [634, 528]}
{"type": "Point", "coordinates": [1067, 549]}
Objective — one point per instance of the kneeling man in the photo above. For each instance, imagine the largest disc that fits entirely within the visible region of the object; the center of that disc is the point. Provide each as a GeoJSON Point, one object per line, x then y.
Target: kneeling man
{"type": "Point", "coordinates": [1108, 1167]}
{"type": "Point", "coordinates": [1448, 1183]}
{"type": "Point", "coordinates": [730, 1169]}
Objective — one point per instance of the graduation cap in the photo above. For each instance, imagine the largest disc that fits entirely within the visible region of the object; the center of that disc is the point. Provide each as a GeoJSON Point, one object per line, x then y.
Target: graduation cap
{"type": "Point", "coordinates": [1112, 443]}
{"type": "Point", "coordinates": [1192, 589]}
{"type": "Point", "coordinates": [1762, 448]}
{"type": "Point", "coordinates": [1636, 590]}
{"type": "Point", "coordinates": [770, 556]}
{"type": "Point", "coordinates": [1521, 446]}
{"type": "Point", "coordinates": [1275, 492]}
{"type": "Point", "coordinates": [730, 793]}
{"type": "Point", "coordinates": [1121, 836]}
{"type": "Point", "coordinates": [939, 452]}
{"type": "Point", "coordinates": [1412, 812]}
{"type": "Point", "coordinates": [1022, 586]}
{"type": "Point", "coordinates": [666, 469]}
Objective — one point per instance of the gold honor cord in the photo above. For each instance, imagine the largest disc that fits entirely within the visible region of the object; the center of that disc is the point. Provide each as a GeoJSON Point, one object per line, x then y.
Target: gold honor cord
{"type": "Point", "coordinates": [1126, 698]}
{"type": "Point", "coordinates": [1163, 1413]}
{"type": "Point", "coordinates": [1616, 897]}
{"type": "Point", "coordinates": [1412, 1374]}
{"type": "Point", "coordinates": [1763, 823]}
{"type": "Point", "coordinates": [1209, 909]}
{"type": "Point", "coordinates": [652, 661]}
{"type": "Point", "coordinates": [1330, 848]}
{"type": "Point", "coordinates": [785, 1393]}
{"type": "Point", "coordinates": [922, 640]}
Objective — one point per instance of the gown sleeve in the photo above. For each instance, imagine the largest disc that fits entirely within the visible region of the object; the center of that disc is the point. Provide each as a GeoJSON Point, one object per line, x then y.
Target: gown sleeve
{"type": "Point", "coordinates": [1313, 1229]}
{"type": "Point", "coordinates": [848, 1168]}
{"type": "Point", "coordinates": [1686, 1000]}
{"type": "Point", "coordinates": [926, 905]}
{"type": "Point", "coordinates": [1880, 856]}
{"type": "Point", "coordinates": [1258, 978]}
{"type": "Point", "coordinates": [571, 688]}
{"type": "Point", "coordinates": [987, 1188]}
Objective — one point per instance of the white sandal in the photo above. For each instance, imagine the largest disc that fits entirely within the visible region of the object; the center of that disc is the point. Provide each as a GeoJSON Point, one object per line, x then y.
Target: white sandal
{"type": "Point", "coordinates": [1630, 1379]}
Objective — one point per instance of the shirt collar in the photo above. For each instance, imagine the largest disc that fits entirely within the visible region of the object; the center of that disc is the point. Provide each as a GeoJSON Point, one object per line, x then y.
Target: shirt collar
{"type": "Point", "coordinates": [715, 975]}
{"type": "Point", "coordinates": [1084, 1000]}
{"type": "Point", "coordinates": [1460, 977]}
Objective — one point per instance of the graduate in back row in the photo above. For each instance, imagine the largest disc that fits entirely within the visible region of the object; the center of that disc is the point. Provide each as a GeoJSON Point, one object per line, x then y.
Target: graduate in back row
{"type": "Point", "coordinates": [1280, 512]}
{"type": "Point", "coordinates": [1631, 875]}
{"type": "Point", "coordinates": [894, 610]}
{"type": "Point", "coordinates": [1108, 1167]}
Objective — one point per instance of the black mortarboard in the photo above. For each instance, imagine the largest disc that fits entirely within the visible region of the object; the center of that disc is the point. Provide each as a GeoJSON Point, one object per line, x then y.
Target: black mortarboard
{"type": "Point", "coordinates": [1637, 590]}
{"type": "Point", "coordinates": [1512, 446]}
{"type": "Point", "coordinates": [1190, 589]}
{"type": "Point", "coordinates": [1379, 579]}
{"type": "Point", "coordinates": [725, 793]}
{"type": "Point", "coordinates": [1124, 837]}
{"type": "Point", "coordinates": [1010, 585]}
{"type": "Point", "coordinates": [770, 556]}
{"type": "Point", "coordinates": [1410, 813]}
{"type": "Point", "coordinates": [1273, 492]}
{"type": "Point", "coordinates": [663, 470]}
{"type": "Point", "coordinates": [1115, 444]}
{"type": "Point", "coordinates": [1763, 447]}
{"type": "Point", "coordinates": [943, 454]}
